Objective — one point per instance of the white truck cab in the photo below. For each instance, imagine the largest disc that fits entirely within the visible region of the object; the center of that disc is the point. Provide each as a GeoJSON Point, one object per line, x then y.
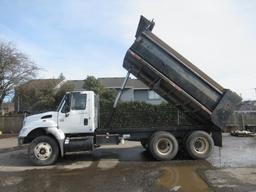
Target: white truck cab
{"type": "Point", "coordinates": [77, 114]}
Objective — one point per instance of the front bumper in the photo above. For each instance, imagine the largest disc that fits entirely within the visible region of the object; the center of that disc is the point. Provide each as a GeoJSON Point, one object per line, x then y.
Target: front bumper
{"type": "Point", "coordinates": [20, 141]}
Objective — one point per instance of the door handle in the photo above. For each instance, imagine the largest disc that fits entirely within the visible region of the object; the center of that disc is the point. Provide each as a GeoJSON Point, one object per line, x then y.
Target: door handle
{"type": "Point", "coordinates": [85, 121]}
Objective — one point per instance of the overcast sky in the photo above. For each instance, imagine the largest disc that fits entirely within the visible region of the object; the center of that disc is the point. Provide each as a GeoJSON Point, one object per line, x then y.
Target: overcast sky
{"type": "Point", "coordinates": [80, 38]}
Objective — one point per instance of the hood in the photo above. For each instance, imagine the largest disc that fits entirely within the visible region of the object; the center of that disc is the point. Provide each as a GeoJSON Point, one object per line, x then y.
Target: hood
{"type": "Point", "coordinates": [46, 115]}
{"type": "Point", "coordinates": [41, 120]}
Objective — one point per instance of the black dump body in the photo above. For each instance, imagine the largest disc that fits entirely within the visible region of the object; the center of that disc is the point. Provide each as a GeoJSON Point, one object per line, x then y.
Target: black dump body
{"type": "Point", "coordinates": [177, 80]}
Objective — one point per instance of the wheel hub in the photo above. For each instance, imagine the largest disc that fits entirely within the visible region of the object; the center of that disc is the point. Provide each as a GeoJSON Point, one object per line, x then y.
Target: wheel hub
{"type": "Point", "coordinates": [164, 146]}
{"type": "Point", "coordinates": [201, 145]}
{"type": "Point", "coordinates": [43, 151]}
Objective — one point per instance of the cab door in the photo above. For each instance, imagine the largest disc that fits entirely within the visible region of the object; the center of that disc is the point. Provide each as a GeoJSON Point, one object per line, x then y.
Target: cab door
{"type": "Point", "coordinates": [74, 116]}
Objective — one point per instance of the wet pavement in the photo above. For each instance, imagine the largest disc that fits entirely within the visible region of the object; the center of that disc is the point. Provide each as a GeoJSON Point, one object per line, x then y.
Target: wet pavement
{"type": "Point", "coordinates": [126, 176]}
{"type": "Point", "coordinates": [236, 152]}
{"type": "Point", "coordinates": [234, 165]}
{"type": "Point", "coordinates": [130, 168]}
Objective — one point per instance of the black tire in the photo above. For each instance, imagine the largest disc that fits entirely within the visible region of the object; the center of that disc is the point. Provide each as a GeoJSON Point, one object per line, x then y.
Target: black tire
{"type": "Point", "coordinates": [43, 150]}
{"type": "Point", "coordinates": [144, 144]}
{"type": "Point", "coordinates": [163, 146]}
{"type": "Point", "coordinates": [199, 145]}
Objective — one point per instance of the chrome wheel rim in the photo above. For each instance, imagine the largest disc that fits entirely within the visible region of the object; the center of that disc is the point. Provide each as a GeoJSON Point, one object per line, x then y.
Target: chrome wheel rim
{"type": "Point", "coordinates": [164, 146]}
{"type": "Point", "coordinates": [201, 145]}
{"type": "Point", "coordinates": [43, 151]}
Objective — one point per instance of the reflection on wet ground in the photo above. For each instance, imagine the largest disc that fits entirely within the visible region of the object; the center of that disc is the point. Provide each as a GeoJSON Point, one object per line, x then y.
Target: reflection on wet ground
{"type": "Point", "coordinates": [124, 176]}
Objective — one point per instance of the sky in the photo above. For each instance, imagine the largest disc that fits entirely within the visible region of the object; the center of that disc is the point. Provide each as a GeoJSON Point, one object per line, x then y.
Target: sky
{"type": "Point", "coordinates": [82, 37]}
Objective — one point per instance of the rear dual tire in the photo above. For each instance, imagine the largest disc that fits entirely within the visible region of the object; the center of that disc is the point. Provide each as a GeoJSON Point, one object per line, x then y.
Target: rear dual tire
{"type": "Point", "coordinates": [199, 145]}
{"type": "Point", "coordinates": [163, 146]}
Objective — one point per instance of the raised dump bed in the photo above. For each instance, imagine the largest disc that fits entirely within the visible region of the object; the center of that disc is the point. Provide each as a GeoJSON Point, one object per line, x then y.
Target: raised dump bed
{"type": "Point", "coordinates": [177, 80]}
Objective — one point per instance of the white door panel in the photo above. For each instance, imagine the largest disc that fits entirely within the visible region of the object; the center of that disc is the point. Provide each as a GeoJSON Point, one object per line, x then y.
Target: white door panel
{"type": "Point", "coordinates": [77, 120]}
{"type": "Point", "coordinates": [74, 122]}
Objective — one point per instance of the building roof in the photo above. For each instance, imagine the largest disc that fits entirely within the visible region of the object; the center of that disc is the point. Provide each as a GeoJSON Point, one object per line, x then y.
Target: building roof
{"type": "Point", "coordinates": [78, 84]}
{"type": "Point", "coordinates": [41, 83]}
{"type": "Point", "coordinates": [248, 105]}
{"type": "Point", "coordinates": [108, 82]}
{"type": "Point", "coordinates": [112, 82]}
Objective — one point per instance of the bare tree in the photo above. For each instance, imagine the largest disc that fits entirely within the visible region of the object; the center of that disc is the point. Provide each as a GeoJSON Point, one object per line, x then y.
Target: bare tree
{"type": "Point", "coordinates": [15, 69]}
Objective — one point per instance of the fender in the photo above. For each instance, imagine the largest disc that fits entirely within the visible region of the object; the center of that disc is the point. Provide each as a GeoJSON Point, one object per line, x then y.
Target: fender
{"type": "Point", "coordinates": [59, 136]}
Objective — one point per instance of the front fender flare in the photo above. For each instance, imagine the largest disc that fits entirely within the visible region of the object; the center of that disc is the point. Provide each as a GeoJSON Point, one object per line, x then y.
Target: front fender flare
{"type": "Point", "coordinates": [59, 136]}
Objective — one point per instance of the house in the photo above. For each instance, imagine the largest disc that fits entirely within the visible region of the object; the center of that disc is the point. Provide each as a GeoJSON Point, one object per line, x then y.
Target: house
{"type": "Point", "coordinates": [134, 90]}
{"type": "Point", "coordinates": [248, 105]}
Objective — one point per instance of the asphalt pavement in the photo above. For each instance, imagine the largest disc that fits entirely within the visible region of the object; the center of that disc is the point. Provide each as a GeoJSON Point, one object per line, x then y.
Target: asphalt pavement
{"type": "Point", "coordinates": [130, 168]}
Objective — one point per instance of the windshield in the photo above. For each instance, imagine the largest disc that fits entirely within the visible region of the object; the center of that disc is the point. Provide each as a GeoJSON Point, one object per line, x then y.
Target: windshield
{"type": "Point", "coordinates": [61, 103]}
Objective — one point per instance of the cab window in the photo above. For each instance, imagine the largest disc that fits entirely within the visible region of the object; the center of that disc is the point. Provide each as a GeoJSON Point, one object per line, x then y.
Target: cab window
{"type": "Point", "coordinates": [78, 101]}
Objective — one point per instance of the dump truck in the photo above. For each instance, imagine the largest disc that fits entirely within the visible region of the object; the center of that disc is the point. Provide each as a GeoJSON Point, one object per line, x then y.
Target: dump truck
{"type": "Point", "coordinates": [75, 126]}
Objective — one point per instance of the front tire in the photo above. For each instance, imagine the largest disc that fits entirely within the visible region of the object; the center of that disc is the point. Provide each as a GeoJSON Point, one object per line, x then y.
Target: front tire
{"type": "Point", "coordinates": [199, 145]}
{"type": "Point", "coordinates": [163, 146]}
{"type": "Point", "coordinates": [43, 151]}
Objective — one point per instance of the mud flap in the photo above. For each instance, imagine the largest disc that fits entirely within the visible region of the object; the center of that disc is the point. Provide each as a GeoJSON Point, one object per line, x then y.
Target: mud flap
{"type": "Point", "coordinates": [217, 138]}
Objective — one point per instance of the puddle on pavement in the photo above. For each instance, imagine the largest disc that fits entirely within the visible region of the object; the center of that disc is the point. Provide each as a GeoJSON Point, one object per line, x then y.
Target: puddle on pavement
{"type": "Point", "coordinates": [124, 176]}
{"type": "Point", "coordinates": [183, 178]}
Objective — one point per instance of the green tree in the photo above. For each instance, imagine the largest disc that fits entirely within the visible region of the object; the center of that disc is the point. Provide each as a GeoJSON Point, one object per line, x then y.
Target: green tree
{"type": "Point", "coordinates": [67, 87]}
{"type": "Point", "coordinates": [41, 95]}
{"type": "Point", "coordinates": [93, 84]}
